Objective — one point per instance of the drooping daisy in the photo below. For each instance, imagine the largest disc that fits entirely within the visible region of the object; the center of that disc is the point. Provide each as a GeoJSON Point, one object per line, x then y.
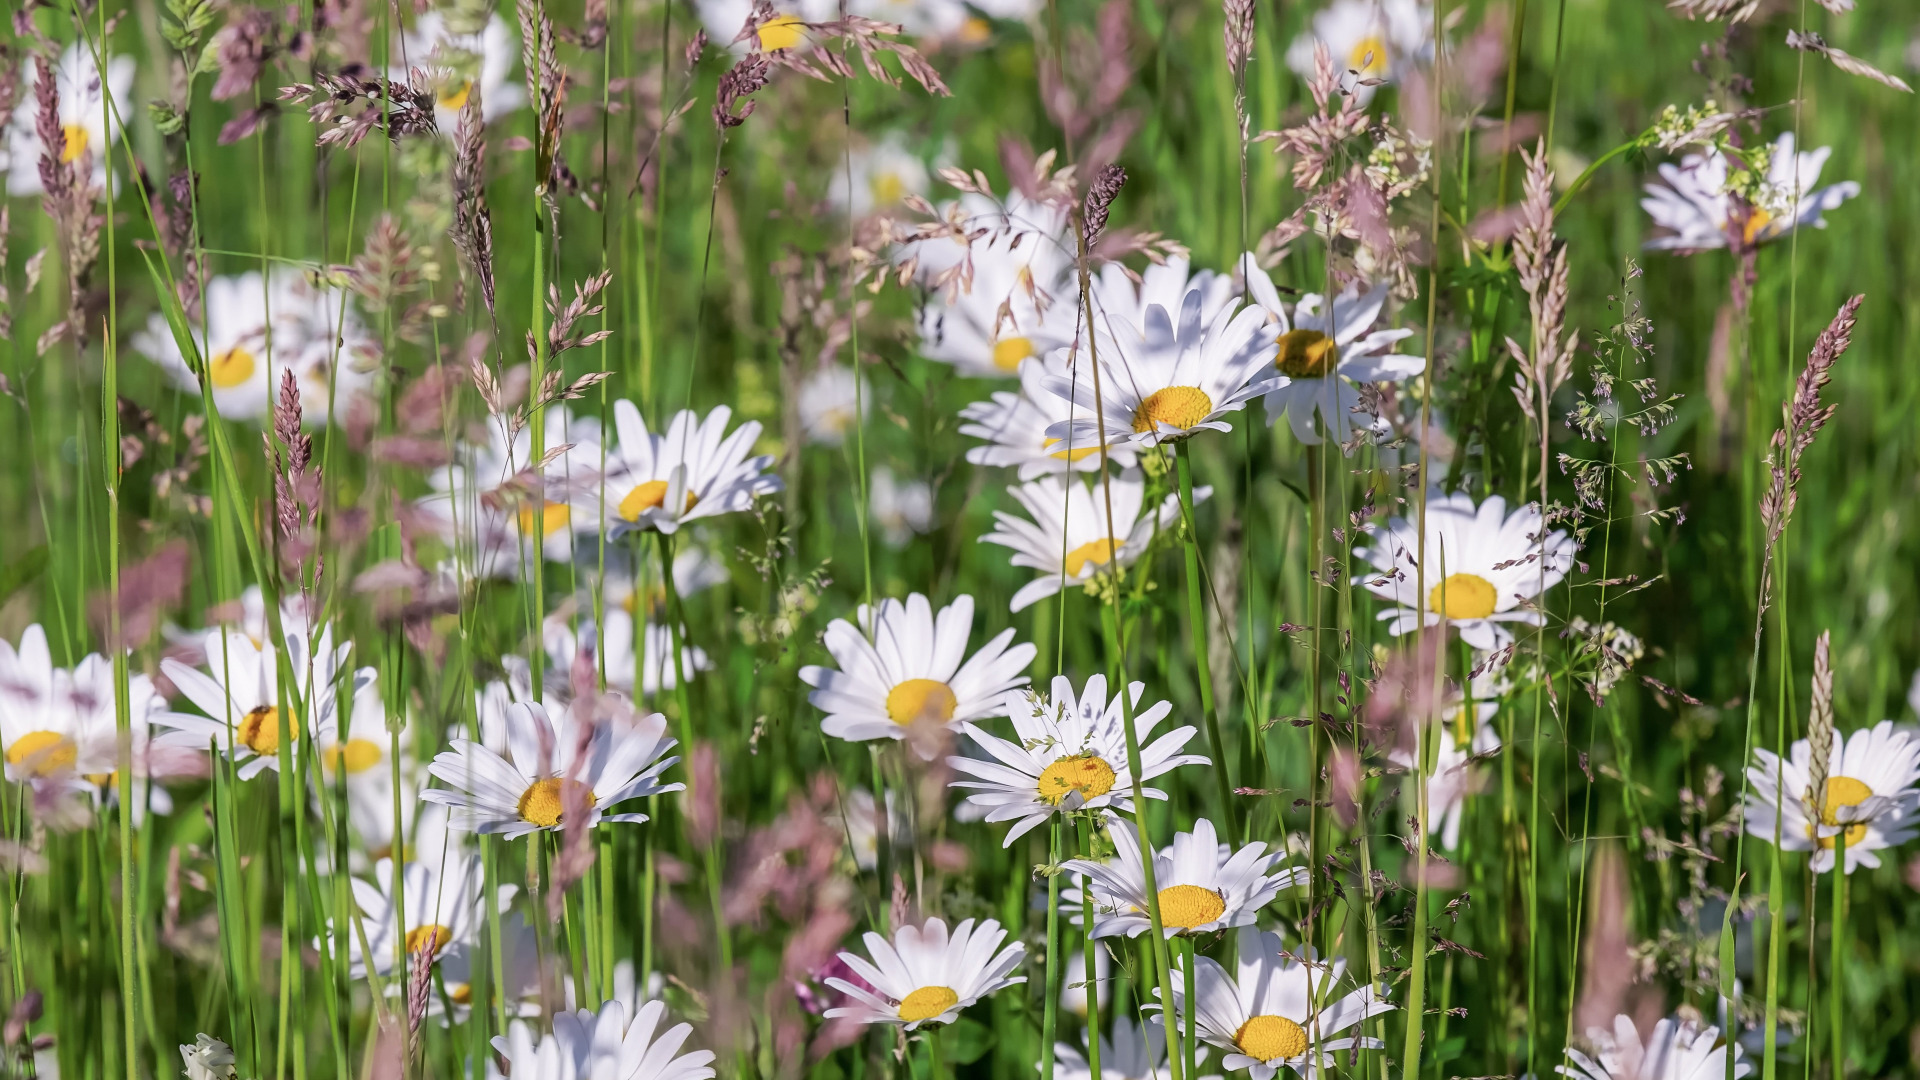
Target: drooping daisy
{"type": "Point", "coordinates": [1015, 426]}
{"type": "Point", "coordinates": [1203, 885]}
{"type": "Point", "coordinates": [1375, 39]}
{"type": "Point", "coordinates": [1276, 1011]}
{"type": "Point", "coordinates": [910, 670]}
{"type": "Point", "coordinates": [694, 470]}
{"type": "Point", "coordinates": [1677, 1049]}
{"type": "Point", "coordinates": [1483, 567]}
{"type": "Point", "coordinates": [591, 1046]}
{"type": "Point", "coordinates": [1464, 733]}
{"type": "Point", "coordinates": [1326, 354]}
{"type": "Point", "coordinates": [530, 788]}
{"type": "Point", "coordinates": [489, 503]}
{"type": "Point", "coordinates": [1871, 794]}
{"type": "Point", "coordinates": [902, 509]}
{"type": "Point", "coordinates": [1136, 1052]}
{"type": "Point", "coordinates": [445, 903]}
{"type": "Point", "coordinates": [239, 694]}
{"type": "Point", "coordinates": [884, 172]}
{"type": "Point", "coordinates": [1067, 540]}
{"type": "Point", "coordinates": [655, 664]}
{"type": "Point", "coordinates": [1070, 754]}
{"type": "Point", "coordinates": [923, 976]}
{"type": "Point", "coordinates": [1695, 211]}
{"type": "Point", "coordinates": [461, 60]}
{"type": "Point", "coordinates": [1169, 377]}
{"type": "Point", "coordinates": [83, 121]}
{"type": "Point", "coordinates": [830, 404]}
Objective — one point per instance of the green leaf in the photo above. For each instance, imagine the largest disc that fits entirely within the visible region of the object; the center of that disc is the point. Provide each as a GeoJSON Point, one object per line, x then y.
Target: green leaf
{"type": "Point", "coordinates": [175, 314]}
{"type": "Point", "coordinates": [22, 570]}
{"type": "Point", "coordinates": [967, 1041]}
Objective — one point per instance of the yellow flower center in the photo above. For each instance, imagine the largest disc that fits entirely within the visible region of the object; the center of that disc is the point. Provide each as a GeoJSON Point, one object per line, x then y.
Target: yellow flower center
{"type": "Point", "coordinates": [1008, 352]}
{"type": "Point", "coordinates": [73, 142]}
{"type": "Point", "coordinates": [455, 97]}
{"type": "Point", "coordinates": [1098, 552]}
{"type": "Point", "coordinates": [1843, 791]}
{"type": "Point", "coordinates": [1369, 57]}
{"type": "Point", "coordinates": [921, 699]}
{"type": "Point", "coordinates": [1175, 406]}
{"type": "Point", "coordinates": [553, 516]}
{"type": "Point", "coordinates": [1757, 221]}
{"type": "Point", "coordinates": [42, 753]}
{"type": "Point", "coordinates": [1463, 596]}
{"type": "Point", "coordinates": [461, 993]}
{"type": "Point", "coordinates": [1087, 774]}
{"type": "Point", "coordinates": [1463, 718]}
{"type": "Point", "coordinates": [104, 780]}
{"type": "Point", "coordinates": [355, 755]}
{"type": "Point", "coordinates": [545, 801]}
{"type": "Point", "coordinates": [974, 31]}
{"type": "Point", "coordinates": [1307, 354]}
{"type": "Point", "coordinates": [1075, 454]}
{"type": "Point", "coordinates": [781, 32]}
{"type": "Point", "coordinates": [429, 939]}
{"type": "Point", "coordinates": [1188, 906]}
{"type": "Point", "coordinates": [1271, 1038]}
{"type": "Point", "coordinates": [231, 368]}
{"type": "Point", "coordinates": [649, 496]}
{"type": "Point", "coordinates": [260, 730]}
{"type": "Point", "coordinates": [886, 188]}
{"type": "Point", "coordinates": [927, 1003]}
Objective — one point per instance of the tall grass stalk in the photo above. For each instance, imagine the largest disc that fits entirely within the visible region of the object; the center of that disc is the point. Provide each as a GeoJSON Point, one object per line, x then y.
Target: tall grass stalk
{"type": "Point", "coordinates": [1197, 634]}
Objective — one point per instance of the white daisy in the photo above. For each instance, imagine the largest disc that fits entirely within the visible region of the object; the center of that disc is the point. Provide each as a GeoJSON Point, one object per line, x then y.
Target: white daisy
{"type": "Point", "coordinates": [1073, 981]}
{"type": "Point", "coordinates": [1676, 1050]}
{"type": "Point", "coordinates": [695, 470]}
{"type": "Point", "coordinates": [695, 570]}
{"type": "Point", "coordinates": [463, 964]}
{"type": "Point", "coordinates": [725, 19]}
{"type": "Point", "coordinates": [827, 401]}
{"type": "Point", "coordinates": [1069, 755]}
{"type": "Point", "coordinates": [1120, 300]}
{"type": "Point", "coordinates": [1015, 426]}
{"type": "Point", "coordinates": [240, 695]}
{"type": "Point", "coordinates": [862, 827]}
{"type": "Point", "coordinates": [1203, 884]}
{"type": "Point", "coordinates": [1136, 1052]}
{"type": "Point", "coordinates": [602, 1046]}
{"type": "Point", "coordinates": [1375, 39]}
{"type": "Point", "coordinates": [1464, 734]}
{"type": "Point", "coordinates": [925, 977]}
{"type": "Point", "coordinates": [1483, 567]}
{"type": "Point", "coordinates": [446, 903]}
{"type": "Point", "coordinates": [910, 671]}
{"type": "Point", "coordinates": [486, 501]}
{"type": "Point", "coordinates": [884, 173]}
{"type": "Point", "coordinates": [1021, 298]}
{"type": "Point", "coordinates": [1871, 793]}
{"type": "Point", "coordinates": [902, 509]}
{"type": "Point", "coordinates": [529, 789]}
{"type": "Point", "coordinates": [1067, 540]}
{"type": "Point", "coordinates": [1164, 380]}
{"type": "Point", "coordinates": [655, 664]}
{"type": "Point", "coordinates": [460, 59]}
{"type": "Point", "coordinates": [1276, 1010]}
{"type": "Point", "coordinates": [1326, 354]}
{"type": "Point", "coordinates": [83, 121]}
{"type": "Point", "coordinates": [1696, 212]}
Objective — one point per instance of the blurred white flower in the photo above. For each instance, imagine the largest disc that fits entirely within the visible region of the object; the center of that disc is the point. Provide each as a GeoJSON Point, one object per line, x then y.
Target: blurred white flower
{"type": "Point", "coordinates": [902, 510]}
{"type": "Point", "coordinates": [1003, 293]}
{"type": "Point", "coordinates": [1677, 1049]}
{"type": "Point", "coordinates": [207, 1059]}
{"type": "Point", "coordinates": [1373, 39]}
{"type": "Point", "coordinates": [445, 903]}
{"type": "Point", "coordinates": [460, 62]}
{"type": "Point", "coordinates": [489, 503]}
{"type": "Point", "coordinates": [83, 119]}
{"type": "Point", "coordinates": [655, 664]}
{"type": "Point", "coordinates": [827, 401]}
{"type": "Point", "coordinates": [883, 173]}
{"type": "Point", "coordinates": [1694, 208]}
{"type": "Point", "coordinates": [613, 1043]}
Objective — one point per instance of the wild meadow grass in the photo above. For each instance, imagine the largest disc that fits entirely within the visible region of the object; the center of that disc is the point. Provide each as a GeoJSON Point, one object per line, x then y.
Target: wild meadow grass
{"type": "Point", "coordinates": [647, 540]}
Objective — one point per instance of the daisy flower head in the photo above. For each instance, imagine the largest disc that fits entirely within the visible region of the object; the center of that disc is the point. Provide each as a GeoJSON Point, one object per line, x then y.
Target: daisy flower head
{"type": "Point", "coordinates": [462, 57]}
{"type": "Point", "coordinates": [1276, 1011]}
{"type": "Point", "coordinates": [1483, 567]}
{"type": "Point", "coordinates": [1015, 426]}
{"type": "Point", "coordinates": [1001, 282]}
{"type": "Point", "coordinates": [1168, 377]}
{"type": "Point", "coordinates": [491, 503]}
{"type": "Point", "coordinates": [1326, 353]}
{"type": "Point", "coordinates": [883, 173]}
{"type": "Point", "coordinates": [925, 976]}
{"type": "Point", "coordinates": [1070, 754]}
{"type": "Point", "coordinates": [1464, 734]}
{"type": "Point", "coordinates": [1073, 981]}
{"type": "Point", "coordinates": [239, 695]}
{"type": "Point", "coordinates": [1872, 795]}
{"type": "Point", "coordinates": [613, 1042]}
{"type": "Point", "coordinates": [910, 670]}
{"type": "Point", "coordinates": [1136, 1052]}
{"type": "Point", "coordinates": [546, 774]}
{"type": "Point", "coordinates": [726, 23]}
{"type": "Point", "coordinates": [691, 471]}
{"type": "Point", "coordinates": [862, 827]}
{"type": "Point", "coordinates": [1119, 298]}
{"type": "Point", "coordinates": [1203, 884]}
{"type": "Point", "coordinates": [83, 126]}
{"type": "Point", "coordinates": [831, 403]}
{"type": "Point", "coordinates": [1696, 209]}
{"type": "Point", "coordinates": [1676, 1049]}
{"type": "Point", "coordinates": [695, 570]}
{"type": "Point", "coordinates": [1372, 39]}
{"type": "Point", "coordinates": [656, 668]}
{"type": "Point", "coordinates": [1067, 539]}
{"type": "Point", "coordinates": [902, 509]}
{"type": "Point", "coordinates": [462, 962]}
{"type": "Point", "coordinates": [446, 904]}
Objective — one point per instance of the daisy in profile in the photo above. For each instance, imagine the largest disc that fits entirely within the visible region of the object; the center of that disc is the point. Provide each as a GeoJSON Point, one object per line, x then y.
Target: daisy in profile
{"type": "Point", "coordinates": [1015, 426]}
{"type": "Point", "coordinates": [445, 902]}
{"type": "Point", "coordinates": [1136, 1052]}
{"type": "Point", "coordinates": [1275, 1011]}
{"type": "Point", "coordinates": [1677, 1049]}
{"type": "Point", "coordinates": [460, 60]}
{"type": "Point", "coordinates": [610, 1043]}
{"type": "Point", "coordinates": [1002, 288]}
{"type": "Point", "coordinates": [910, 671]}
{"type": "Point", "coordinates": [1169, 377]}
{"type": "Point", "coordinates": [1203, 885]}
{"type": "Point", "coordinates": [1695, 209]}
{"type": "Point", "coordinates": [83, 129]}
{"type": "Point", "coordinates": [545, 773]}
{"type": "Point", "coordinates": [1328, 351]}
{"type": "Point", "coordinates": [1067, 538]}
{"type": "Point", "coordinates": [1484, 567]}
{"type": "Point", "coordinates": [923, 976]}
{"type": "Point", "coordinates": [1070, 755]}
{"type": "Point", "coordinates": [1465, 733]}
{"type": "Point", "coordinates": [1871, 795]}
{"type": "Point", "coordinates": [694, 470]}
{"type": "Point", "coordinates": [884, 173]}
{"type": "Point", "coordinates": [831, 404]}
{"type": "Point", "coordinates": [496, 511]}
{"type": "Point", "coordinates": [239, 695]}
{"type": "Point", "coordinates": [657, 671]}
{"type": "Point", "coordinates": [1373, 39]}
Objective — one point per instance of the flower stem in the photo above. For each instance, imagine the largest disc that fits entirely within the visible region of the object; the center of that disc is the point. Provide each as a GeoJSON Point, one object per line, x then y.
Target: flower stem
{"type": "Point", "coordinates": [1090, 955]}
{"type": "Point", "coordinates": [1050, 1011]}
{"type": "Point", "coordinates": [1197, 631]}
{"type": "Point", "coordinates": [1836, 999]}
